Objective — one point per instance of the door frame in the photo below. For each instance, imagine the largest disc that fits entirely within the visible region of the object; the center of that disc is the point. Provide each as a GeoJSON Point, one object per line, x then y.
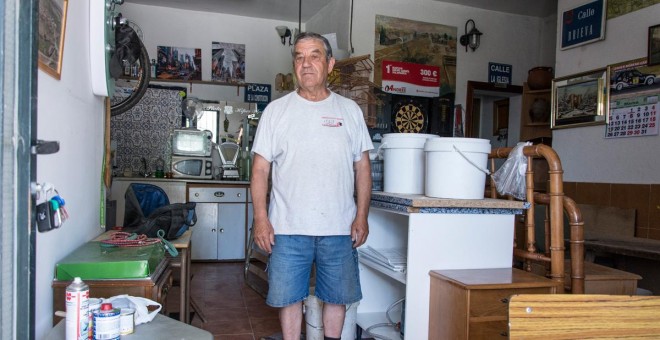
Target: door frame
{"type": "Point", "coordinates": [473, 87]}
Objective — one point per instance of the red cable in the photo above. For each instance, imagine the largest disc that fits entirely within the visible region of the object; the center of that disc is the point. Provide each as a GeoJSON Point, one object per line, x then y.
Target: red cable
{"type": "Point", "coordinates": [120, 239]}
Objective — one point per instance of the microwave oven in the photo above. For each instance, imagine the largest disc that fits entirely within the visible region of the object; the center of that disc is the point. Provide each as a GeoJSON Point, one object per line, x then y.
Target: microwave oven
{"type": "Point", "coordinates": [191, 142]}
{"type": "Point", "coordinates": [192, 167]}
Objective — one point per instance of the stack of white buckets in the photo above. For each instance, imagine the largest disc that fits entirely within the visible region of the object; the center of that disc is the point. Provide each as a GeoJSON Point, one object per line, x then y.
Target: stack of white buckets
{"type": "Point", "coordinates": [440, 167]}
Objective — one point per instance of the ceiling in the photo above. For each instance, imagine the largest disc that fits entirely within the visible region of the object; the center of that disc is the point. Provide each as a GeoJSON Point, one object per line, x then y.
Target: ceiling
{"type": "Point", "coordinates": [287, 10]}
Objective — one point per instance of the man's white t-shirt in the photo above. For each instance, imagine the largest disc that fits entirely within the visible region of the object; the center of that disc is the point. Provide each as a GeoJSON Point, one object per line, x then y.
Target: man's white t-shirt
{"type": "Point", "coordinates": [312, 147]}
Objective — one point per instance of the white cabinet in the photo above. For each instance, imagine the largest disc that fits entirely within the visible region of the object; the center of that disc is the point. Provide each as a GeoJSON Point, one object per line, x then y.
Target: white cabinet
{"type": "Point", "coordinates": [222, 217]}
{"type": "Point", "coordinates": [451, 237]}
{"type": "Point", "coordinates": [175, 190]}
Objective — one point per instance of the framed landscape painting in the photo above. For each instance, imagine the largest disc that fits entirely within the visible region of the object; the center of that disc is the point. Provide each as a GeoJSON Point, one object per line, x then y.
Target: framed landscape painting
{"type": "Point", "coordinates": [579, 99]}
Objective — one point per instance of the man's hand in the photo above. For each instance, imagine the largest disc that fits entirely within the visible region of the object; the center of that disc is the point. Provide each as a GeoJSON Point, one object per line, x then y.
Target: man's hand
{"type": "Point", "coordinates": [264, 235]}
{"type": "Point", "coordinates": [359, 232]}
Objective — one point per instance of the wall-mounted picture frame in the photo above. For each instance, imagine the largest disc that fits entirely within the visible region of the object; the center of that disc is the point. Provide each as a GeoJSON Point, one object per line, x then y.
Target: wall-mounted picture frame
{"type": "Point", "coordinates": [52, 26]}
{"type": "Point", "coordinates": [583, 24]}
{"type": "Point", "coordinates": [178, 63]}
{"type": "Point", "coordinates": [653, 55]}
{"type": "Point", "coordinates": [579, 99]}
{"type": "Point", "coordinates": [227, 62]}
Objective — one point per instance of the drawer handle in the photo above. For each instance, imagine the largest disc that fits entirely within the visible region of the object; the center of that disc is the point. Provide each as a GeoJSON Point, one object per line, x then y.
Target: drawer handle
{"type": "Point", "coordinates": [505, 300]}
{"type": "Point", "coordinates": [219, 194]}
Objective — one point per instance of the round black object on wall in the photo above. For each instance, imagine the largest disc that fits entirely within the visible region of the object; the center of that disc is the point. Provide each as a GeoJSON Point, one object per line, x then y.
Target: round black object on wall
{"type": "Point", "coordinates": [409, 115]}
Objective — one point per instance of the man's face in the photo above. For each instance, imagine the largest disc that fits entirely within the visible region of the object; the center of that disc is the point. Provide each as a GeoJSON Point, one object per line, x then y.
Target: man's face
{"type": "Point", "coordinates": [310, 64]}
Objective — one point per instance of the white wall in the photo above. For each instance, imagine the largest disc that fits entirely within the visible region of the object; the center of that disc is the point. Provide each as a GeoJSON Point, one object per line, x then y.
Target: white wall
{"type": "Point", "coordinates": [70, 113]}
{"type": "Point", "coordinates": [264, 53]}
{"type": "Point", "coordinates": [586, 156]}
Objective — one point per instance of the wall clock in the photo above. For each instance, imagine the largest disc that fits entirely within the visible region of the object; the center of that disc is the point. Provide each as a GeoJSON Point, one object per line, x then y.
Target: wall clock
{"type": "Point", "coordinates": [409, 116]}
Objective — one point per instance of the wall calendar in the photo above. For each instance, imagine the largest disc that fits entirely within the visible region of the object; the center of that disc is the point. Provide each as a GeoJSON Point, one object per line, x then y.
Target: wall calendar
{"type": "Point", "coordinates": [633, 117]}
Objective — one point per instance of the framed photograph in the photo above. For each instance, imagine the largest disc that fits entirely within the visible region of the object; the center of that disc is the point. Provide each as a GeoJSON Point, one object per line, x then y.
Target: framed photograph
{"type": "Point", "coordinates": [52, 25]}
{"type": "Point", "coordinates": [178, 63]}
{"type": "Point", "coordinates": [654, 45]}
{"type": "Point", "coordinates": [583, 24]}
{"type": "Point", "coordinates": [227, 62]}
{"type": "Point", "coordinates": [579, 99]}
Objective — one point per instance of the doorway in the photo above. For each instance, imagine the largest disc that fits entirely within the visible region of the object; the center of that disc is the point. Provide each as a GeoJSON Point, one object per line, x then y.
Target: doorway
{"type": "Point", "coordinates": [474, 106]}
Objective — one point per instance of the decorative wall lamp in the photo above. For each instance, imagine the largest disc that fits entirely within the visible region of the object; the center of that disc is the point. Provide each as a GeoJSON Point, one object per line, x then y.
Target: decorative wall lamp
{"type": "Point", "coordinates": [471, 39]}
{"type": "Point", "coordinates": [284, 32]}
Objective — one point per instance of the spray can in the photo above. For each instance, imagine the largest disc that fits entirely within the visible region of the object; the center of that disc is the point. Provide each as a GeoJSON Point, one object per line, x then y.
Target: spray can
{"type": "Point", "coordinates": [77, 309]}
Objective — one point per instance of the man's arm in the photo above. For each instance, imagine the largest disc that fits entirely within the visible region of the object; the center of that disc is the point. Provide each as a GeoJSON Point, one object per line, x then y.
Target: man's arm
{"type": "Point", "coordinates": [262, 230]}
{"type": "Point", "coordinates": [360, 227]}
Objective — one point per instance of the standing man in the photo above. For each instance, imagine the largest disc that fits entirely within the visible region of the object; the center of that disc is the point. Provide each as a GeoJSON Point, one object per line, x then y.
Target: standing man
{"type": "Point", "coordinates": [317, 144]}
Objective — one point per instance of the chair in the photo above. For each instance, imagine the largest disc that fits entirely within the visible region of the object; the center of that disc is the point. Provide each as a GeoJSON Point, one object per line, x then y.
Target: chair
{"type": "Point", "coordinates": [557, 205]}
{"type": "Point", "coordinates": [579, 316]}
{"type": "Point", "coordinates": [148, 210]}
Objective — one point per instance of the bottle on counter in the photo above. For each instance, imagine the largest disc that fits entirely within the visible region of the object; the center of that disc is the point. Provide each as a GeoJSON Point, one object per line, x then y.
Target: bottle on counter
{"type": "Point", "coordinates": [245, 164]}
{"type": "Point", "coordinates": [153, 68]}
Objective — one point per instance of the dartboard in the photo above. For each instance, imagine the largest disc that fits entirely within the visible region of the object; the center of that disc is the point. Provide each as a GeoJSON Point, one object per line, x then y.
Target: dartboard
{"type": "Point", "coordinates": [409, 118]}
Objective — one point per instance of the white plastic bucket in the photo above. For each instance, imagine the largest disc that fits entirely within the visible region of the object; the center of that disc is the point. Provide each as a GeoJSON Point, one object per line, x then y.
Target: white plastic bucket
{"type": "Point", "coordinates": [456, 167]}
{"type": "Point", "coordinates": [403, 162]}
{"type": "Point", "coordinates": [314, 319]}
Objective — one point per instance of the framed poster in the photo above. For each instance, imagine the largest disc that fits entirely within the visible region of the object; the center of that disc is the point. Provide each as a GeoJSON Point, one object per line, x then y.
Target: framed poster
{"type": "Point", "coordinates": [583, 24]}
{"type": "Point", "coordinates": [633, 99]}
{"type": "Point", "coordinates": [227, 62]}
{"type": "Point", "coordinates": [653, 55]}
{"type": "Point", "coordinates": [579, 99]}
{"type": "Point", "coordinates": [52, 26]}
{"type": "Point", "coordinates": [179, 63]}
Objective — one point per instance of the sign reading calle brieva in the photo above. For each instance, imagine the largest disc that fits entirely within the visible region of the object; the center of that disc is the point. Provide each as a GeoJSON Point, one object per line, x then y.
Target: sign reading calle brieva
{"type": "Point", "coordinates": [499, 74]}
{"type": "Point", "coordinates": [583, 24]}
{"type": "Point", "coordinates": [410, 79]}
{"type": "Point", "coordinates": [257, 93]}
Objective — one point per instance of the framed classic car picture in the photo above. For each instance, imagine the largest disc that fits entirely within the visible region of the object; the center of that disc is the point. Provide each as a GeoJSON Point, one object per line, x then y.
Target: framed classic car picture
{"type": "Point", "coordinates": [579, 99]}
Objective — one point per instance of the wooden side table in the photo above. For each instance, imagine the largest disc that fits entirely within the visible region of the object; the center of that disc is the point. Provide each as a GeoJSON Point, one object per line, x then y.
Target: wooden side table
{"type": "Point", "coordinates": [155, 287]}
{"type": "Point", "coordinates": [183, 246]}
{"type": "Point", "coordinates": [473, 303]}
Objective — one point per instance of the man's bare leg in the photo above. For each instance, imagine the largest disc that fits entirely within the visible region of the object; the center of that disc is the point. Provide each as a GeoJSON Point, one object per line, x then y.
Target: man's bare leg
{"type": "Point", "coordinates": [333, 319]}
{"type": "Point", "coordinates": [291, 320]}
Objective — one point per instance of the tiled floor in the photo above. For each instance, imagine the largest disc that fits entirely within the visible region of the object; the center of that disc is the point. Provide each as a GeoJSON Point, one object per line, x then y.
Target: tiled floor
{"type": "Point", "coordinates": [233, 310]}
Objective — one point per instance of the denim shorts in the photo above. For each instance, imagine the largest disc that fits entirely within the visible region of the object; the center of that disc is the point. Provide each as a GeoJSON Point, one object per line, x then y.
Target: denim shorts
{"type": "Point", "coordinates": [290, 265]}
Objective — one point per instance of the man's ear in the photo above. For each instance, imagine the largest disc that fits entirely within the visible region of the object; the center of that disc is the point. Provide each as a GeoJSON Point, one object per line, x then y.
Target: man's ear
{"type": "Point", "coordinates": [331, 64]}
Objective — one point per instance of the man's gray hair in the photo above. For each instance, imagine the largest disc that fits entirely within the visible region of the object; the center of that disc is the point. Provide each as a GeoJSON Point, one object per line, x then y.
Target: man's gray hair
{"type": "Point", "coordinates": [316, 36]}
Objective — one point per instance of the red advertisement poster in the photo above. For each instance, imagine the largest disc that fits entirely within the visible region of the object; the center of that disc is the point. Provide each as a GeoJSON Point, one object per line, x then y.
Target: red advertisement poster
{"type": "Point", "coordinates": [410, 79]}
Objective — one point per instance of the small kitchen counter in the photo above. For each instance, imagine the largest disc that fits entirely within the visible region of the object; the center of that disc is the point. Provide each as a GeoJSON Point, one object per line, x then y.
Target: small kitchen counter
{"type": "Point", "coordinates": [183, 180]}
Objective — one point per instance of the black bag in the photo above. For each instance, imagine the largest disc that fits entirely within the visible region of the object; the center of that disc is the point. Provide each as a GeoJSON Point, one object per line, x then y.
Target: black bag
{"type": "Point", "coordinates": [147, 210]}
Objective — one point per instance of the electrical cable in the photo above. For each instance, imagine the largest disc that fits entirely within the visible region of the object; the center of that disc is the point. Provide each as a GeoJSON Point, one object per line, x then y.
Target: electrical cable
{"type": "Point", "coordinates": [350, 30]}
{"type": "Point", "coordinates": [390, 322]}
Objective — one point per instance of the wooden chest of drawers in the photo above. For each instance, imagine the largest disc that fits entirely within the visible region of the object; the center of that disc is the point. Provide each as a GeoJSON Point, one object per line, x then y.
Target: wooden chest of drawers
{"type": "Point", "coordinates": [473, 303]}
{"type": "Point", "coordinates": [154, 287]}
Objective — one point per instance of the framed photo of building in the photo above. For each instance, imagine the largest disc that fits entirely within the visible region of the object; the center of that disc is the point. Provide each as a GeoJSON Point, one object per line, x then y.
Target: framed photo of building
{"type": "Point", "coordinates": [579, 99]}
{"type": "Point", "coordinates": [52, 26]}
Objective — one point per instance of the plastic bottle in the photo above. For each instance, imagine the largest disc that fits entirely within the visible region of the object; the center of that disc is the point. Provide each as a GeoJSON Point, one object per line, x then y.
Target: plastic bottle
{"type": "Point", "coordinates": [245, 164]}
{"type": "Point", "coordinates": [77, 310]}
{"type": "Point", "coordinates": [153, 68]}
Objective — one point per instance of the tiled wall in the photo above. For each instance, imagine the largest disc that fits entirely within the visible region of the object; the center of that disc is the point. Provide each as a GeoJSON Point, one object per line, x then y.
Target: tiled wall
{"type": "Point", "coordinates": [144, 130]}
{"type": "Point", "coordinates": [644, 198]}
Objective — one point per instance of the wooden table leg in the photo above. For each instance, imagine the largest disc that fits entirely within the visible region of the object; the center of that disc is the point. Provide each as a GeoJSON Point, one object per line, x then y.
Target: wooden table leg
{"type": "Point", "coordinates": [184, 309]}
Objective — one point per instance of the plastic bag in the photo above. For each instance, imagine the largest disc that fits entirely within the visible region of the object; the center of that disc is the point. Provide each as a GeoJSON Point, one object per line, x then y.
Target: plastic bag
{"type": "Point", "coordinates": [139, 304]}
{"type": "Point", "coordinates": [510, 177]}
